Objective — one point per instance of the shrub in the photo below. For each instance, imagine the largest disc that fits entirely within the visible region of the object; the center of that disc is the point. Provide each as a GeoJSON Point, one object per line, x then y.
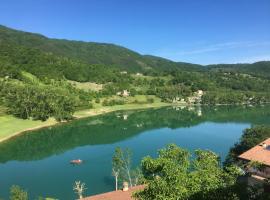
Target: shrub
{"type": "Point", "coordinates": [16, 193]}
{"type": "Point", "coordinates": [113, 102]}
{"type": "Point", "coordinates": [150, 100]}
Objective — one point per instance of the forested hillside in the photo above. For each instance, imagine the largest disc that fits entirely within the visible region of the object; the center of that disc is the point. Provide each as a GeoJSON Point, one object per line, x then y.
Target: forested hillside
{"type": "Point", "coordinates": [57, 58]}
{"type": "Point", "coordinates": [89, 52]}
{"type": "Point", "coordinates": [258, 68]}
{"type": "Point", "coordinates": [39, 77]}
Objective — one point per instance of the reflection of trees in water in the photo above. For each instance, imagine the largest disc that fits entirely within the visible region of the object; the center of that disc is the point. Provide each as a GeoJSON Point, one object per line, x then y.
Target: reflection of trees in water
{"type": "Point", "coordinates": [117, 126]}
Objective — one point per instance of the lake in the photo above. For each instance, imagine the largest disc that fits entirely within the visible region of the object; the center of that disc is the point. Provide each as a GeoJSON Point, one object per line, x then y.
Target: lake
{"type": "Point", "coordinates": [38, 161]}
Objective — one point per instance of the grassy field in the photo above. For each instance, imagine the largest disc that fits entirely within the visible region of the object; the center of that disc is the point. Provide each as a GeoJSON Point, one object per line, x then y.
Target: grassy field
{"type": "Point", "coordinates": [165, 78]}
{"type": "Point", "coordinates": [11, 126]}
{"type": "Point", "coordinates": [107, 109]}
{"type": "Point", "coordinates": [87, 86]}
{"type": "Point", "coordinates": [137, 99]}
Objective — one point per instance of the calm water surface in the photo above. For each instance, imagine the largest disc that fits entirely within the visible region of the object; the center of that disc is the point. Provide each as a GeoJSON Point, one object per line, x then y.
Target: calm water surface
{"type": "Point", "coordinates": [39, 161]}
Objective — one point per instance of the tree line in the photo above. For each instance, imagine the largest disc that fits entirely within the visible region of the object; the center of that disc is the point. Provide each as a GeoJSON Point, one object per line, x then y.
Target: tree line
{"type": "Point", "coordinates": [40, 100]}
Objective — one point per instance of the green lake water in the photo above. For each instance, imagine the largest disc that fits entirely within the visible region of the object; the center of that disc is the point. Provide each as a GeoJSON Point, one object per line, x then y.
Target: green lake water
{"type": "Point", "coordinates": [39, 161]}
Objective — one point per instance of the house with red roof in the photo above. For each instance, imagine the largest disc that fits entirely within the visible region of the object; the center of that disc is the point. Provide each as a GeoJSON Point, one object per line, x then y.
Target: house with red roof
{"type": "Point", "coordinates": [257, 164]}
{"type": "Point", "coordinates": [117, 195]}
{"type": "Point", "coordinates": [261, 155]}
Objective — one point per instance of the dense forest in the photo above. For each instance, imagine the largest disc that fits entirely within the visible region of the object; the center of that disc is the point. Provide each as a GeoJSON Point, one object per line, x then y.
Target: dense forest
{"type": "Point", "coordinates": [37, 76]}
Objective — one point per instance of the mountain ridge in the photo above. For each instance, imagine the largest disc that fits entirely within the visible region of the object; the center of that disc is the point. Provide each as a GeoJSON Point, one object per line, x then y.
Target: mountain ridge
{"type": "Point", "coordinates": [114, 56]}
{"type": "Point", "coordinates": [88, 52]}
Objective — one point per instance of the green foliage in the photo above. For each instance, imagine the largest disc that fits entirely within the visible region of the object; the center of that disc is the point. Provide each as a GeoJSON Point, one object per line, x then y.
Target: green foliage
{"type": "Point", "coordinates": [113, 102]}
{"type": "Point", "coordinates": [37, 102]}
{"type": "Point", "coordinates": [173, 175]}
{"type": "Point", "coordinates": [193, 80]}
{"type": "Point", "coordinates": [235, 97]}
{"type": "Point", "coordinates": [91, 53]}
{"type": "Point", "coordinates": [171, 93]}
{"type": "Point", "coordinates": [16, 193]}
{"type": "Point", "coordinates": [258, 68]}
{"type": "Point", "coordinates": [256, 165]}
{"type": "Point", "coordinates": [48, 65]}
{"type": "Point", "coordinates": [150, 100]}
{"type": "Point", "coordinates": [36, 60]}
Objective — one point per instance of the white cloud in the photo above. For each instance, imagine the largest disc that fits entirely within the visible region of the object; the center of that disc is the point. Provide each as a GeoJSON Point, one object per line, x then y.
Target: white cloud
{"type": "Point", "coordinates": [254, 59]}
{"type": "Point", "coordinates": [213, 48]}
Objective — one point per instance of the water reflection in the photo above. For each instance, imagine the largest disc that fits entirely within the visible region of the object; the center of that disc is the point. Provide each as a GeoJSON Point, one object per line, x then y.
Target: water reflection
{"type": "Point", "coordinates": [119, 126]}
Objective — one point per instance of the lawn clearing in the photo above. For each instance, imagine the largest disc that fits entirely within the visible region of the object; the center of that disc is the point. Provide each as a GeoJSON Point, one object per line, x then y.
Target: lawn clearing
{"type": "Point", "coordinates": [10, 126]}
{"type": "Point", "coordinates": [87, 86]}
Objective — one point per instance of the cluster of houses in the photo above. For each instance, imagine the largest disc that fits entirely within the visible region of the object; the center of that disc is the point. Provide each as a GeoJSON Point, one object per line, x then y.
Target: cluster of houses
{"type": "Point", "coordinates": [196, 98]}
{"type": "Point", "coordinates": [137, 74]}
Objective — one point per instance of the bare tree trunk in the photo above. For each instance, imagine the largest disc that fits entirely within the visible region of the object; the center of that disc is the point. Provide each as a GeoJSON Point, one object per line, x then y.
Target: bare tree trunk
{"type": "Point", "coordinates": [127, 167]}
{"type": "Point", "coordinates": [116, 183]}
{"type": "Point", "coordinates": [115, 173]}
{"type": "Point", "coordinates": [129, 177]}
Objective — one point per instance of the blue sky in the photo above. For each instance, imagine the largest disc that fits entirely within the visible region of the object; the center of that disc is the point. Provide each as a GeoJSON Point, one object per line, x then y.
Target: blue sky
{"type": "Point", "coordinates": [197, 31]}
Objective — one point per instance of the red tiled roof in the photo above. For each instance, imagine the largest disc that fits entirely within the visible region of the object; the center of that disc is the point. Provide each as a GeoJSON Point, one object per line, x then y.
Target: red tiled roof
{"type": "Point", "coordinates": [116, 195]}
{"type": "Point", "coordinates": [258, 153]}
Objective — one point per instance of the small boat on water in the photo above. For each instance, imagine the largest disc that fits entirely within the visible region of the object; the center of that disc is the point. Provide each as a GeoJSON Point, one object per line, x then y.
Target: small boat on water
{"type": "Point", "coordinates": [76, 162]}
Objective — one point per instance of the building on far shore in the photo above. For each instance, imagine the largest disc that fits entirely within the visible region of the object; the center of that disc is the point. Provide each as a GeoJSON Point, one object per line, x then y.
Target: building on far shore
{"type": "Point", "coordinates": [124, 93]}
{"type": "Point", "coordinates": [257, 163]}
{"type": "Point", "coordinates": [139, 74]}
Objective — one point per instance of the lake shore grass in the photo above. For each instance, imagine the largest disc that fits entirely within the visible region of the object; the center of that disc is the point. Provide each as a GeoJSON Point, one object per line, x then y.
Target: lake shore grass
{"type": "Point", "coordinates": [11, 126]}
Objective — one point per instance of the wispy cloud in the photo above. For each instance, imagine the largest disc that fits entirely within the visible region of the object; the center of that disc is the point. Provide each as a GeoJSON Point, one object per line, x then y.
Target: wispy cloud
{"type": "Point", "coordinates": [215, 47]}
{"type": "Point", "coordinates": [254, 59]}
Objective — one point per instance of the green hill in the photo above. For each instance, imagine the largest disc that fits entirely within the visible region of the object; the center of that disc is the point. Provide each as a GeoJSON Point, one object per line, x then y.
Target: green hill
{"type": "Point", "coordinates": [90, 52]}
{"type": "Point", "coordinates": [88, 61]}
{"type": "Point", "coordinates": [261, 68]}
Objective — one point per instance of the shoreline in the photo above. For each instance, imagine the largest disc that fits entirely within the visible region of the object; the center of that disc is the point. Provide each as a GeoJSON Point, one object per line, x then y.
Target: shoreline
{"type": "Point", "coordinates": [85, 114]}
{"type": "Point", "coordinates": [91, 113]}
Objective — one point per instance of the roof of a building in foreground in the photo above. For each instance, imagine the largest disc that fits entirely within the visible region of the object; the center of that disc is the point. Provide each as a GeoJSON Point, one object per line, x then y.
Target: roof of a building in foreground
{"type": "Point", "coordinates": [116, 195]}
{"type": "Point", "coordinates": [260, 153]}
